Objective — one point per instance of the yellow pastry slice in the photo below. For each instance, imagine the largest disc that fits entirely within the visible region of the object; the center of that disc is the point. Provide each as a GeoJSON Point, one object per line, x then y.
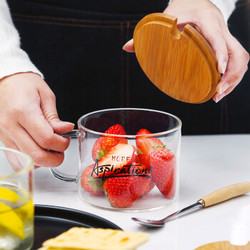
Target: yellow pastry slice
{"type": "Point", "coordinates": [80, 238]}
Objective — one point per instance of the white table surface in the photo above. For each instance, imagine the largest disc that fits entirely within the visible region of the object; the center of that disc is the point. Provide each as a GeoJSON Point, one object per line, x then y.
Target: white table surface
{"type": "Point", "coordinates": [207, 163]}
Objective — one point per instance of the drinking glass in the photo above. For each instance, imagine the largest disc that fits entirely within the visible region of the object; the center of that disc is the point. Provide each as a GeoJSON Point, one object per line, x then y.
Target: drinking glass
{"type": "Point", "coordinates": [16, 203]}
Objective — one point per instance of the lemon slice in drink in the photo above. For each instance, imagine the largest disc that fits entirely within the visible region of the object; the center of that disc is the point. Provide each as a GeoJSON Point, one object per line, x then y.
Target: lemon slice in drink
{"type": "Point", "coordinates": [10, 221]}
{"type": "Point", "coordinates": [8, 218]}
{"type": "Point", "coordinates": [26, 211]}
{"type": "Point", "coordinates": [7, 194]}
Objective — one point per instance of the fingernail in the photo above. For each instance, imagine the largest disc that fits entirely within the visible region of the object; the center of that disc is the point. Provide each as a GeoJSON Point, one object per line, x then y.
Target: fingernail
{"type": "Point", "coordinates": [70, 123]}
{"type": "Point", "coordinates": [64, 123]}
{"type": "Point", "coordinates": [124, 46]}
{"type": "Point", "coordinates": [223, 88]}
{"type": "Point", "coordinates": [127, 46]}
{"type": "Point", "coordinates": [223, 67]}
{"type": "Point", "coordinates": [127, 43]}
{"type": "Point", "coordinates": [219, 97]}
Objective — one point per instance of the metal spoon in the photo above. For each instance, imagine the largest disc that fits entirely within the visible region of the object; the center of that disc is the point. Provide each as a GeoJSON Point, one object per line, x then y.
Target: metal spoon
{"type": "Point", "coordinates": [213, 198]}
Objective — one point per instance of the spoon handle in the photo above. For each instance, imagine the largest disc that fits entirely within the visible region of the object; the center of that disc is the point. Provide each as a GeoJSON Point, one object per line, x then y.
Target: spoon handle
{"type": "Point", "coordinates": [225, 193]}
{"type": "Point", "coordinates": [184, 211]}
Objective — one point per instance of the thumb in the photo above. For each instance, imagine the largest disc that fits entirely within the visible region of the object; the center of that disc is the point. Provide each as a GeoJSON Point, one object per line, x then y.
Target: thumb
{"type": "Point", "coordinates": [62, 127]}
{"type": "Point", "coordinates": [48, 106]}
{"type": "Point", "coordinates": [129, 46]}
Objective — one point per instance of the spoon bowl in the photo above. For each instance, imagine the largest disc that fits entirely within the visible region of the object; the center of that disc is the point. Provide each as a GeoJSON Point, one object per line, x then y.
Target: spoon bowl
{"type": "Point", "coordinates": [149, 223]}
{"type": "Point", "coordinates": [211, 199]}
{"type": "Point", "coordinates": [160, 223]}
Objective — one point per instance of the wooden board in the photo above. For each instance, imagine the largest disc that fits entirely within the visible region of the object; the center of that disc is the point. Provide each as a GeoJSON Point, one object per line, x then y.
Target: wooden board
{"type": "Point", "coordinates": [181, 64]}
{"type": "Point", "coordinates": [223, 245]}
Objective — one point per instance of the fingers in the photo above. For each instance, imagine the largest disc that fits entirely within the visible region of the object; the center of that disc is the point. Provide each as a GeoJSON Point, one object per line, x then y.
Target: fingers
{"type": "Point", "coordinates": [232, 58]}
{"type": "Point", "coordinates": [41, 156]}
{"type": "Point", "coordinates": [50, 113]}
{"type": "Point", "coordinates": [24, 143]}
{"type": "Point", "coordinates": [32, 120]}
{"type": "Point", "coordinates": [62, 127]}
{"type": "Point", "coordinates": [28, 111]}
{"type": "Point", "coordinates": [215, 36]}
{"type": "Point", "coordinates": [48, 107]}
{"type": "Point", "coordinates": [236, 68]}
{"type": "Point", "coordinates": [7, 141]}
{"type": "Point", "coordinates": [219, 47]}
{"type": "Point", "coordinates": [129, 46]}
{"type": "Point", "coordinates": [43, 134]}
{"type": "Point", "coordinates": [14, 163]}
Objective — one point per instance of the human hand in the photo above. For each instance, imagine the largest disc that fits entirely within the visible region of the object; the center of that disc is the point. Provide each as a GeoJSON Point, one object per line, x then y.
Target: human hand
{"type": "Point", "coordinates": [29, 120]}
{"type": "Point", "coordinates": [208, 20]}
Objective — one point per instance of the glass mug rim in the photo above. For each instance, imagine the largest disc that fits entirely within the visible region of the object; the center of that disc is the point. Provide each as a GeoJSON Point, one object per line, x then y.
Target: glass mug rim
{"type": "Point", "coordinates": [76, 134]}
{"type": "Point", "coordinates": [28, 167]}
{"type": "Point", "coordinates": [176, 128]}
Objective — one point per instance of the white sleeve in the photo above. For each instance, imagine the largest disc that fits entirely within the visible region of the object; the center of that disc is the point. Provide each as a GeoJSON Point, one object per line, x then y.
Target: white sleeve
{"type": "Point", "coordinates": [12, 58]}
{"type": "Point", "coordinates": [225, 6]}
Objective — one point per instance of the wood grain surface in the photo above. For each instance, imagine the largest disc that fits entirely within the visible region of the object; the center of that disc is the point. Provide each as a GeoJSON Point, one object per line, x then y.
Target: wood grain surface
{"type": "Point", "coordinates": [226, 193]}
{"type": "Point", "coordinates": [223, 245]}
{"type": "Point", "coordinates": [181, 64]}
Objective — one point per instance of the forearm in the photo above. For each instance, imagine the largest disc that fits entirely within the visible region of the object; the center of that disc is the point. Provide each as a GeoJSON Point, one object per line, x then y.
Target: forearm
{"type": "Point", "coordinates": [225, 6]}
{"type": "Point", "coordinates": [12, 58]}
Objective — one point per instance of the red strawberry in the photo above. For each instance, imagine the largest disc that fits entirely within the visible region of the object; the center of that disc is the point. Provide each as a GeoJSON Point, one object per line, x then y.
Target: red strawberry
{"type": "Point", "coordinates": [118, 160]}
{"type": "Point", "coordinates": [149, 188]}
{"type": "Point", "coordinates": [90, 184]}
{"type": "Point", "coordinates": [108, 142]}
{"type": "Point", "coordinates": [144, 144]}
{"type": "Point", "coordinates": [116, 129]}
{"type": "Point", "coordinates": [141, 179]}
{"type": "Point", "coordinates": [97, 151]}
{"type": "Point", "coordinates": [117, 189]}
{"type": "Point", "coordinates": [122, 191]}
{"type": "Point", "coordinates": [141, 185]}
{"type": "Point", "coordinates": [163, 163]}
{"type": "Point", "coordinates": [104, 144]}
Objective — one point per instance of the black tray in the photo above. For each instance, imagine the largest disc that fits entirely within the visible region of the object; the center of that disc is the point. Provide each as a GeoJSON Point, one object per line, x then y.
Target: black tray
{"type": "Point", "coordinates": [51, 221]}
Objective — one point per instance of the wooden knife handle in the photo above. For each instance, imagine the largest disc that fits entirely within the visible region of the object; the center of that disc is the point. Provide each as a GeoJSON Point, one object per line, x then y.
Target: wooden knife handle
{"type": "Point", "coordinates": [226, 193]}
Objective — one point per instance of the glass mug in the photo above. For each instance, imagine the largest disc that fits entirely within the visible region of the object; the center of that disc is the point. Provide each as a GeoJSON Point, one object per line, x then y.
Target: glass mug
{"type": "Point", "coordinates": [16, 203]}
{"type": "Point", "coordinates": [122, 168]}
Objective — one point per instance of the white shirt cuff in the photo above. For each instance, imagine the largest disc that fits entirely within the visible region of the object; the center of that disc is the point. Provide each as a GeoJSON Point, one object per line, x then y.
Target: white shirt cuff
{"type": "Point", "coordinates": [12, 58]}
{"type": "Point", "coordinates": [225, 6]}
{"type": "Point", "coordinates": [19, 62]}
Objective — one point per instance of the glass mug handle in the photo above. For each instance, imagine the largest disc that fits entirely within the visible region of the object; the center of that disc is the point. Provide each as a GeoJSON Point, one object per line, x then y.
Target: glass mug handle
{"type": "Point", "coordinates": [74, 134]}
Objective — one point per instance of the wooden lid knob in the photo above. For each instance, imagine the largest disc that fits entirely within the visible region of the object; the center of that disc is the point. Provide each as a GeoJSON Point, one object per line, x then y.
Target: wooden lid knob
{"type": "Point", "coordinates": [179, 63]}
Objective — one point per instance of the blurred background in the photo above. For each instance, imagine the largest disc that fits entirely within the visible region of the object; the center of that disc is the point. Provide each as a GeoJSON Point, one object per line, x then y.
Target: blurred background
{"type": "Point", "coordinates": [77, 45]}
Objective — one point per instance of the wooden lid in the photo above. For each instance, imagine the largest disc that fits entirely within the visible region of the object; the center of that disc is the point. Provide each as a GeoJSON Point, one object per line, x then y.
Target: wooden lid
{"type": "Point", "coordinates": [181, 64]}
{"type": "Point", "coordinates": [223, 245]}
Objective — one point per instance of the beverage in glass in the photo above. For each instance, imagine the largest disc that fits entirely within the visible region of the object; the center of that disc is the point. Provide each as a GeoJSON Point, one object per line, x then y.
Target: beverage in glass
{"type": "Point", "coordinates": [16, 203]}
